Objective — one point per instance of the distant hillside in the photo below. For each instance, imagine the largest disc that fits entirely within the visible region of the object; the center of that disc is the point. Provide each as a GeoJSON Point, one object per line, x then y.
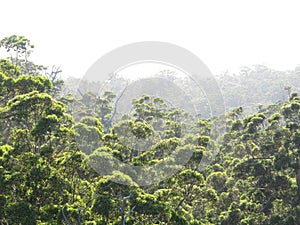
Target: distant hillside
{"type": "Point", "coordinates": [258, 85]}
{"type": "Point", "coordinates": [249, 88]}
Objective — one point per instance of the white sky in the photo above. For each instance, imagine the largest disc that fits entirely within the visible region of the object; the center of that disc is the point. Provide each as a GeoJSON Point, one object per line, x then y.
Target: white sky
{"type": "Point", "coordinates": [224, 34]}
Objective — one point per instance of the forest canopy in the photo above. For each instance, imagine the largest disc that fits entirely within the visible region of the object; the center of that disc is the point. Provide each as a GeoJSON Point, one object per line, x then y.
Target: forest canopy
{"type": "Point", "coordinates": [56, 147]}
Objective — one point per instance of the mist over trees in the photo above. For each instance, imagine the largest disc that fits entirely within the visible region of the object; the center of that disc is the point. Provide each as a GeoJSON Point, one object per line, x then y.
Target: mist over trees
{"type": "Point", "coordinates": [58, 137]}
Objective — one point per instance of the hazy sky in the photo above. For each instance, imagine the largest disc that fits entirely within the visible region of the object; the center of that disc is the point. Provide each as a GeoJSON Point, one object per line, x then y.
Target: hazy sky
{"type": "Point", "coordinates": [224, 34]}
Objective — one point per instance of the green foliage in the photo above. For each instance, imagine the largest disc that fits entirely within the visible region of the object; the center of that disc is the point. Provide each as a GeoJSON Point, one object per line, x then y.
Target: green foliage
{"type": "Point", "coordinates": [9, 69]}
{"type": "Point", "coordinates": [20, 213]}
{"type": "Point", "coordinates": [217, 180]}
{"type": "Point", "coordinates": [49, 162]}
